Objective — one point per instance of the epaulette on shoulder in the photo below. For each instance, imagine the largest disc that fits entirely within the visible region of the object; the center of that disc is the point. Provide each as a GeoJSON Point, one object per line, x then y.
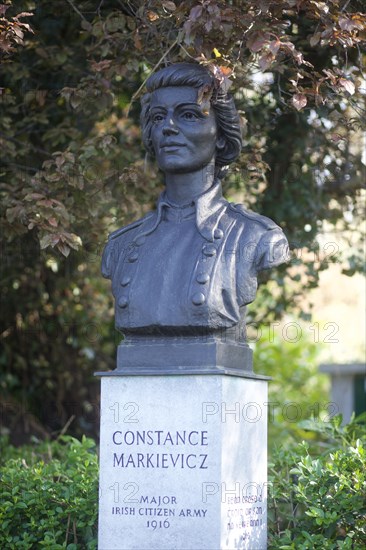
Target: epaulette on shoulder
{"type": "Point", "coordinates": [128, 227]}
{"type": "Point", "coordinates": [263, 220]}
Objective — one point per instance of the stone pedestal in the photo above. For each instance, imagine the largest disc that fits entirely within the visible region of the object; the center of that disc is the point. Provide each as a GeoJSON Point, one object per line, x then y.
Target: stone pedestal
{"type": "Point", "coordinates": [183, 462]}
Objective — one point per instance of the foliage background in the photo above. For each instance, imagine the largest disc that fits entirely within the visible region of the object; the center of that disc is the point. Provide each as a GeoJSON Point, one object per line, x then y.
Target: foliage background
{"type": "Point", "coordinates": [73, 169]}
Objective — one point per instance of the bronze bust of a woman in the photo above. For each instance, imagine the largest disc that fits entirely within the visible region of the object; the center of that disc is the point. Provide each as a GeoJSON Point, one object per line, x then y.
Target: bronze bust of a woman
{"type": "Point", "coordinates": [183, 274]}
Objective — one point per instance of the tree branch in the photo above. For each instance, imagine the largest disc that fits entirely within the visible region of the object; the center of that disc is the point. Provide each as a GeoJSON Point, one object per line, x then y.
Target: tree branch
{"type": "Point", "coordinates": [137, 93]}
{"type": "Point", "coordinates": [80, 14]}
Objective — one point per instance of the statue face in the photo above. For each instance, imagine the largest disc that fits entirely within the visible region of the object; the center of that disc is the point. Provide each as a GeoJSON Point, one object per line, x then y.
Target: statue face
{"type": "Point", "coordinates": [183, 136]}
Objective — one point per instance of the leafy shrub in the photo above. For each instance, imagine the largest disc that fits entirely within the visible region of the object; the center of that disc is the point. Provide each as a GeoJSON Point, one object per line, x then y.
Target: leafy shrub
{"type": "Point", "coordinates": [317, 497]}
{"type": "Point", "coordinates": [49, 495]}
{"type": "Point", "coordinates": [320, 503]}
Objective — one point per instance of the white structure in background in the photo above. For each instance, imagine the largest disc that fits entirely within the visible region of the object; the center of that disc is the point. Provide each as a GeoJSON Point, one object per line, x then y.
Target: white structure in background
{"type": "Point", "coordinates": [348, 387]}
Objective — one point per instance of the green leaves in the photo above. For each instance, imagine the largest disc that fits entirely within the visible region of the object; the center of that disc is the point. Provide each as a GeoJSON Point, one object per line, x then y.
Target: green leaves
{"type": "Point", "coordinates": [49, 493]}
{"type": "Point", "coordinates": [49, 503]}
{"type": "Point", "coordinates": [320, 502]}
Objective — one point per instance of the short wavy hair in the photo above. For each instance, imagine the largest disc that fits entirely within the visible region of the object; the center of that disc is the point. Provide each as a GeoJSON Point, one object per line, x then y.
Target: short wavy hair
{"type": "Point", "coordinates": [227, 116]}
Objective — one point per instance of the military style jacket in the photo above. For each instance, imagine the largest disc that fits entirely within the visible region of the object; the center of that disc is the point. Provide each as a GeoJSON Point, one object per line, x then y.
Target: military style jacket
{"type": "Point", "coordinates": [191, 266]}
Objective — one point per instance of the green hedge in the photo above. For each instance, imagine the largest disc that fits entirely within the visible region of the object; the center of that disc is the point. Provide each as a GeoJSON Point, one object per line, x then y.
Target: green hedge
{"type": "Point", "coordinates": [49, 495]}
{"type": "Point", "coordinates": [317, 497]}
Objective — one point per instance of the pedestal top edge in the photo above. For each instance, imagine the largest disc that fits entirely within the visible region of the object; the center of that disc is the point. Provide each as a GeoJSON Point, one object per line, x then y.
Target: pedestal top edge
{"type": "Point", "coordinates": [142, 372]}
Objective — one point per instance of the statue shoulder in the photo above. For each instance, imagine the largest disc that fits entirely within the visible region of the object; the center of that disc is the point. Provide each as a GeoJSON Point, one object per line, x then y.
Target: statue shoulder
{"type": "Point", "coordinates": [271, 246]}
{"type": "Point", "coordinates": [129, 227]}
{"type": "Point", "coordinates": [115, 244]}
{"type": "Point", "coordinates": [263, 221]}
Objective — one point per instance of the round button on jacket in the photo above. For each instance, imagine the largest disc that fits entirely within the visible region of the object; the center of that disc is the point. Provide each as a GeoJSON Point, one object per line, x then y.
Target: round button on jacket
{"type": "Point", "coordinates": [125, 281]}
{"type": "Point", "coordinates": [202, 278]}
{"type": "Point", "coordinates": [123, 302]}
{"type": "Point", "coordinates": [218, 233]}
{"type": "Point", "coordinates": [198, 299]}
{"type": "Point", "coordinates": [133, 257]}
{"type": "Point", "coordinates": [209, 250]}
{"type": "Point", "coordinates": [139, 240]}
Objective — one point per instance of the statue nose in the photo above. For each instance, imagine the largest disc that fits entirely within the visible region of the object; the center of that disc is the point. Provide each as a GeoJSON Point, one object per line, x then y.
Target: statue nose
{"type": "Point", "coordinates": [170, 128]}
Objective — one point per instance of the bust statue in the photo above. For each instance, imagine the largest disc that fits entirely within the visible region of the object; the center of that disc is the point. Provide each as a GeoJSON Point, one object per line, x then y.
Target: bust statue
{"type": "Point", "coordinates": [186, 271]}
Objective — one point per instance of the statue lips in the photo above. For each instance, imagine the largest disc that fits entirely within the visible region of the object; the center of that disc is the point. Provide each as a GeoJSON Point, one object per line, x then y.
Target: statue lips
{"type": "Point", "coordinates": [172, 146]}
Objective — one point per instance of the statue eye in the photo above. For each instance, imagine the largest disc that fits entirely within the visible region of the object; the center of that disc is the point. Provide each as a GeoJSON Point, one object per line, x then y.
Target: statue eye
{"type": "Point", "coordinates": [189, 115]}
{"type": "Point", "coordinates": [156, 119]}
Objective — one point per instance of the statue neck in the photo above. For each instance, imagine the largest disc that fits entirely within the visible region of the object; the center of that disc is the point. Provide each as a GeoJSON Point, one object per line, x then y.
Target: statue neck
{"type": "Point", "coordinates": [182, 188]}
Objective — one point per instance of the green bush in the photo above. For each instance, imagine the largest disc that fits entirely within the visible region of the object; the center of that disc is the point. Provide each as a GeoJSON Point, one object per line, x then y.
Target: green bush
{"type": "Point", "coordinates": [317, 497]}
{"type": "Point", "coordinates": [320, 503]}
{"type": "Point", "coordinates": [49, 495]}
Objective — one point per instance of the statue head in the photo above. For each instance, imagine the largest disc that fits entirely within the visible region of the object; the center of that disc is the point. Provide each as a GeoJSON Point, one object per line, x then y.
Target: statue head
{"type": "Point", "coordinates": [209, 89]}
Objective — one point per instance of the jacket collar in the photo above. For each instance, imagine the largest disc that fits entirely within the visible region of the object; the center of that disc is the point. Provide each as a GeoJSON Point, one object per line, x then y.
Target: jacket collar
{"type": "Point", "coordinates": [210, 206]}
